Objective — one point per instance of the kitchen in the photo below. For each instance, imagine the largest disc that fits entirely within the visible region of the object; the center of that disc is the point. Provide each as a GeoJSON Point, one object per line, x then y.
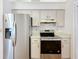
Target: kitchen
{"type": "Point", "coordinates": [50, 23]}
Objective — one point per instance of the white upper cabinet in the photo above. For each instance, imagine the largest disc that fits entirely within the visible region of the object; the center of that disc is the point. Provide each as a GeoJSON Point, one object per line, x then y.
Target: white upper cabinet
{"type": "Point", "coordinates": [60, 17]}
{"type": "Point", "coordinates": [43, 14]}
{"type": "Point", "coordinates": [57, 15]}
{"type": "Point", "coordinates": [48, 14]}
{"type": "Point", "coordinates": [36, 18]}
{"type": "Point", "coordinates": [52, 14]}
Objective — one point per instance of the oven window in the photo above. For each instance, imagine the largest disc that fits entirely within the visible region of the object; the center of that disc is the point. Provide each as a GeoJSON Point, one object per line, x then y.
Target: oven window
{"type": "Point", "coordinates": [50, 47]}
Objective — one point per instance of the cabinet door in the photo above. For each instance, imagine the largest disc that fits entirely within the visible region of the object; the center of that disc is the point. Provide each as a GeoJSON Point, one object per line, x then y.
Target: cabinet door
{"type": "Point", "coordinates": [35, 48]}
{"type": "Point", "coordinates": [36, 18]}
{"type": "Point", "coordinates": [65, 48]}
{"type": "Point", "coordinates": [60, 17]}
{"type": "Point", "coordinates": [48, 14]}
{"type": "Point", "coordinates": [52, 14]}
{"type": "Point", "coordinates": [43, 14]}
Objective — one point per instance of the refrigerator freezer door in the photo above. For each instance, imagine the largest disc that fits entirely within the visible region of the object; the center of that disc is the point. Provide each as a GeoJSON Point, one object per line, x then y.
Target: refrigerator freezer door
{"type": "Point", "coordinates": [20, 31]}
{"type": "Point", "coordinates": [8, 49]}
{"type": "Point", "coordinates": [22, 45]}
{"type": "Point", "coordinates": [9, 34]}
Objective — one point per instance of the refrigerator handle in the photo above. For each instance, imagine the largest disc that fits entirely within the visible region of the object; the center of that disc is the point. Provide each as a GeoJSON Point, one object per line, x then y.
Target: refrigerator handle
{"type": "Point", "coordinates": [15, 39]}
{"type": "Point", "coordinates": [15, 34]}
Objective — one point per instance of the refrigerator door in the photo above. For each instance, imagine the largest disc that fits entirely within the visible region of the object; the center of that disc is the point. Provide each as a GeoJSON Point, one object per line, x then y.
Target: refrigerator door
{"type": "Point", "coordinates": [16, 40]}
{"type": "Point", "coordinates": [9, 34]}
{"type": "Point", "coordinates": [7, 49]}
{"type": "Point", "coordinates": [23, 33]}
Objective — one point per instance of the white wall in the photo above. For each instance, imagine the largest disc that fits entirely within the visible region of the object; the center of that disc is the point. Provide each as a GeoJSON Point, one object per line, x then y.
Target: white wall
{"type": "Point", "coordinates": [71, 15]}
{"type": "Point", "coordinates": [38, 5]}
{"type": "Point", "coordinates": [1, 29]}
{"type": "Point", "coordinates": [7, 6]}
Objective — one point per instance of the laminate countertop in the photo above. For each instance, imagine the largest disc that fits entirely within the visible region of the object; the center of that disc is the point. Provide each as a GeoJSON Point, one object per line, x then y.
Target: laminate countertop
{"type": "Point", "coordinates": [56, 37]}
{"type": "Point", "coordinates": [51, 38]}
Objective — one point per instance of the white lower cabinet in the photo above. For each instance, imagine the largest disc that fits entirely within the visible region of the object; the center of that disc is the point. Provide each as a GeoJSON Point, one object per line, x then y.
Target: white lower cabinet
{"type": "Point", "coordinates": [36, 18]}
{"type": "Point", "coordinates": [35, 47]}
{"type": "Point", "coordinates": [65, 48]}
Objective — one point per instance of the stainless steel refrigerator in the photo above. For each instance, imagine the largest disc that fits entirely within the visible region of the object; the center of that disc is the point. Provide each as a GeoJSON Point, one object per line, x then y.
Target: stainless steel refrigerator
{"type": "Point", "coordinates": [17, 30]}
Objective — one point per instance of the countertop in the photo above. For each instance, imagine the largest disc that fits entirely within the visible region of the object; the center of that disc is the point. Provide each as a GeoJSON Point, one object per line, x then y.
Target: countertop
{"type": "Point", "coordinates": [51, 38]}
{"type": "Point", "coordinates": [55, 37]}
{"type": "Point", "coordinates": [58, 36]}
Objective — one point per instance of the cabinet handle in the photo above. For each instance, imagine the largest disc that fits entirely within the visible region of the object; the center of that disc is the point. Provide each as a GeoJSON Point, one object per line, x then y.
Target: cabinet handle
{"type": "Point", "coordinates": [38, 45]}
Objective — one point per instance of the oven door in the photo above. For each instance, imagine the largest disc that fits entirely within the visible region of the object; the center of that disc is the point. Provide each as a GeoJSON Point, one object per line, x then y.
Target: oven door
{"type": "Point", "coordinates": [51, 47]}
